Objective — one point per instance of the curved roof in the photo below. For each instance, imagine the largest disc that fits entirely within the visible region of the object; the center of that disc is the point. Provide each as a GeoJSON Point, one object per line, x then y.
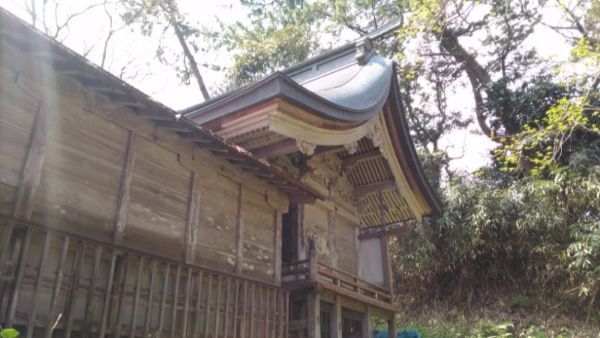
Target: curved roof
{"type": "Point", "coordinates": [349, 84]}
{"type": "Point", "coordinates": [335, 86]}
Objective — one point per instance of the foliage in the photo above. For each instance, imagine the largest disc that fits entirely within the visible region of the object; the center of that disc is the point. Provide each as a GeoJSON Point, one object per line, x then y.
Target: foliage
{"type": "Point", "coordinates": [435, 328]}
{"type": "Point", "coordinates": [280, 34]}
{"type": "Point", "coordinates": [9, 333]}
{"type": "Point", "coordinates": [537, 235]}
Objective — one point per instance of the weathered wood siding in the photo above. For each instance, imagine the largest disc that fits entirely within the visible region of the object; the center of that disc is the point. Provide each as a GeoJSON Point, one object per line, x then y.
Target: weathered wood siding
{"type": "Point", "coordinates": [113, 176]}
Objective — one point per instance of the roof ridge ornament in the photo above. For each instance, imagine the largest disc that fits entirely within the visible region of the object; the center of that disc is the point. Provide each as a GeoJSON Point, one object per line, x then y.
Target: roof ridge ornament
{"type": "Point", "coordinates": [364, 50]}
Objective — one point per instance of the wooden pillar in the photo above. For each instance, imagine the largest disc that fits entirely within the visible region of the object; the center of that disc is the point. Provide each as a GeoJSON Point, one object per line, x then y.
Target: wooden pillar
{"type": "Point", "coordinates": [191, 227]}
{"type": "Point", "coordinates": [387, 264]}
{"type": "Point", "coordinates": [391, 326]}
{"type": "Point", "coordinates": [314, 315]}
{"type": "Point", "coordinates": [123, 199]}
{"type": "Point", "coordinates": [277, 247]}
{"type": "Point", "coordinates": [336, 318]}
{"type": "Point", "coordinates": [32, 167]}
{"type": "Point", "coordinates": [367, 329]}
{"type": "Point", "coordinates": [313, 264]}
{"type": "Point", "coordinates": [331, 226]}
{"type": "Point", "coordinates": [239, 236]}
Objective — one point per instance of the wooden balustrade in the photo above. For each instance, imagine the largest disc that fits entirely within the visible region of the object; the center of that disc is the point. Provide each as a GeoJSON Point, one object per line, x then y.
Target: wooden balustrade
{"type": "Point", "coordinates": [310, 271]}
{"type": "Point", "coordinates": [57, 284]}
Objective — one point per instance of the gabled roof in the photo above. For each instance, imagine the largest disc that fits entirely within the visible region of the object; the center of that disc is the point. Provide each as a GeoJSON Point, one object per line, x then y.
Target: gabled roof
{"type": "Point", "coordinates": [348, 86]}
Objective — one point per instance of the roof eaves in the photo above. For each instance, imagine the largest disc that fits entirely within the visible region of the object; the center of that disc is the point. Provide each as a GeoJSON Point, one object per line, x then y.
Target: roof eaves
{"type": "Point", "coordinates": [166, 116]}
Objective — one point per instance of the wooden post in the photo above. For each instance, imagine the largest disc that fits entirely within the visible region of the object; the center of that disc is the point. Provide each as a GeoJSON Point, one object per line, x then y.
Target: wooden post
{"type": "Point", "coordinates": [387, 265]}
{"type": "Point", "coordinates": [32, 167]}
{"type": "Point", "coordinates": [391, 326]}
{"type": "Point", "coordinates": [313, 263]}
{"type": "Point", "coordinates": [314, 314]}
{"type": "Point", "coordinates": [331, 226]}
{"type": "Point", "coordinates": [277, 247]}
{"type": "Point", "coordinates": [336, 318]}
{"type": "Point", "coordinates": [239, 236]}
{"type": "Point", "coordinates": [367, 328]}
{"type": "Point", "coordinates": [191, 227]}
{"type": "Point", "coordinates": [123, 200]}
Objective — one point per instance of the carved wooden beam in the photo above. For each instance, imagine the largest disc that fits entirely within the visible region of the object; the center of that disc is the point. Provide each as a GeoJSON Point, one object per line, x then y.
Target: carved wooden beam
{"type": "Point", "coordinates": [362, 190]}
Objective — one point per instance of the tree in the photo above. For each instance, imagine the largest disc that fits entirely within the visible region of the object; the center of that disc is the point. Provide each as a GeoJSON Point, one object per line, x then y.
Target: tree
{"type": "Point", "coordinates": [161, 15]}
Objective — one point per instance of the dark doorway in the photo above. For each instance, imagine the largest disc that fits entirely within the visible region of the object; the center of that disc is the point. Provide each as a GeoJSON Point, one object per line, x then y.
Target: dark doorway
{"type": "Point", "coordinates": [289, 234]}
{"type": "Point", "coordinates": [351, 324]}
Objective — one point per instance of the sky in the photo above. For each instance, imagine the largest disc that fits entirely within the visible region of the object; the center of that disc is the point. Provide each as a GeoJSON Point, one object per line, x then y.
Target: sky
{"type": "Point", "coordinates": [133, 57]}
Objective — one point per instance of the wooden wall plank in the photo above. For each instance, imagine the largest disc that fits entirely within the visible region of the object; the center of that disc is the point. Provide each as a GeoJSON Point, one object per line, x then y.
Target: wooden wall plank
{"type": "Point", "coordinates": [124, 189]}
{"type": "Point", "coordinates": [38, 282]}
{"type": "Point", "coordinates": [193, 221]}
{"type": "Point", "coordinates": [277, 224]}
{"type": "Point", "coordinates": [239, 236]}
{"type": "Point", "coordinates": [56, 288]}
{"type": "Point", "coordinates": [32, 168]}
{"type": "Point", "coordinates": [107, 294]}
{"type": "Point", "coordinates": [136, 298]}
{"type": "Point", "coordinates": [150, 299]}
{"type": "Point", "coordinates": [175, 301]}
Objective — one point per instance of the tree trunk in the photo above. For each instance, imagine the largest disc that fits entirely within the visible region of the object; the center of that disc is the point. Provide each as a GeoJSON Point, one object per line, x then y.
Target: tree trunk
{"type": "Point", "coordinates": [190, 58]}
{"type": "Point", "coordinates": [478, 76]}
{"type": "Point", "coordinates": [172, 13]}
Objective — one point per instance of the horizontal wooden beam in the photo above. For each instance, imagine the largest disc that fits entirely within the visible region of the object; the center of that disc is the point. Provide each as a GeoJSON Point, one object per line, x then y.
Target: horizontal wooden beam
{"type": "Point", "coordinates": [194, 137]}
{"type": "Point", "coordinates": [363, 190]}
{"type": "Point", "coordinates": [351, 161]}
{"type": "Point", "coordinates": [397, 228]}
{"type": "Point", "coordinates": [172, 125]}
{"type": "Point", "coordinates": [301, 199]}
{"type": "Point", "coordinates": [277, 149]}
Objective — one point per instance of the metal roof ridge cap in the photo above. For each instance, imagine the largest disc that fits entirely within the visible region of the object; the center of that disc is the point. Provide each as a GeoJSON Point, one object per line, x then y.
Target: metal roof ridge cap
{"type": "Point", "coordinates": [226, 97]}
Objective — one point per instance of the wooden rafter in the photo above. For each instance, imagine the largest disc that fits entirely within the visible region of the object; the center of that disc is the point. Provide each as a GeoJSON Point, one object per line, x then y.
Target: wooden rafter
{"type": "Point", "coordinates": [350, 162]}
{"type": "Point", "coordinates": [363, 190]}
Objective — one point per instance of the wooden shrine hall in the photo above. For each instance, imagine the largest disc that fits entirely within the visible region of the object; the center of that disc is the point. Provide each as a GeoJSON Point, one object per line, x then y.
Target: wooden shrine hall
{"type": "Point", "coordinates": [264, 212]}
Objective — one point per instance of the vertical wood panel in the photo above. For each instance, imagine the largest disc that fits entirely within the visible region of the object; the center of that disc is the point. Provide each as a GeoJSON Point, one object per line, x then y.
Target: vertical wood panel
{"type": "Point", "coordinates": [163, 301]}
{"type": "Point", "coordinates": [122, 294]}
{"type": "Point", "coordinates": [191, 228]}
{"type": "Point", "coordinates": [150, 299]}
{"type": "Point", "coordinates": [198, 304]}
{"type": "Point", "coordinates": [207, 307]}
{"type": "Point", "coordinates": [277, 247]}
{"type": "Point", "coordinates": [124, 189]}
{"type": "Point", "coordinates": [175, 301]}
{"type": "Point", "coordinates": [186, 303]}
{"type": "Point", "coordinates": [57, 286]}
{"type": "Point", "coordinates": [71, 299]}
{"type": "Point", "coordinates": [136, 297]}
{"type": "Point", "coordinates": [236, 308]}
{"type": "Point", "coordinates": [92, 287]}
{"type": "Point", "coordinates": [38, 282]}
{"type": "Point", "coordinates": [107, 294]}
{"type": "Point", "coordinates": [227, 302]}
{"type": "Point", "coordinates": [239, 235]}
{"type": "Point", "coordinates": [32, 167]}
{"type": "Point", "coordinates": [217, 306]}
